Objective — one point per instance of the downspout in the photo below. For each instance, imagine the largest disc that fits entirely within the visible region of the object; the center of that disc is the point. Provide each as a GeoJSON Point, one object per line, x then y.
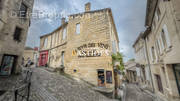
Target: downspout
{"type": "Point", "coordinates": [149, 65]}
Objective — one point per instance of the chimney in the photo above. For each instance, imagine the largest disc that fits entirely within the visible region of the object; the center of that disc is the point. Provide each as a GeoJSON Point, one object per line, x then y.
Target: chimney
{"type": "Point", "coordinates": [63, 20]}
{"type": "Point", "coordinates": [87, 7]}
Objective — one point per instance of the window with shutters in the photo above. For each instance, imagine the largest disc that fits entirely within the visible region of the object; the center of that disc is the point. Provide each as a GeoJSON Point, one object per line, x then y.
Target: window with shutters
{"type": "Point", "coordinates": [23, 11]}
{"type": "Point", "coordinates": [17, 34]}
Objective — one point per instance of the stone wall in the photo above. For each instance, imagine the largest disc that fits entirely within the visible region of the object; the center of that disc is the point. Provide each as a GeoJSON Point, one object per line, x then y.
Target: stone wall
{"type": "Point", "coordinates": [169, 55]}
{"type": "Point", "coordinates": [7, 44]}
{"type": "Point", "coordinates": [97, 32]}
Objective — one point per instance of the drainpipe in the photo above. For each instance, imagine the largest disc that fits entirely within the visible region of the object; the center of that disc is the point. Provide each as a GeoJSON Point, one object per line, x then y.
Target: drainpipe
{"type": "Point", "coordinates": [149, 64]}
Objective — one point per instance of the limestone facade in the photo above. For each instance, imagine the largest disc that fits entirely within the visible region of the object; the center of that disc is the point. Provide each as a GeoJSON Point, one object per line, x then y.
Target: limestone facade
{"type": "Point", "coordinates": [162, 39]}
{"type": "Point", "coordinates": [30, 54]}
{"type": "Point", "coordinates": [14, 24]}
{"type": "Point", "coordinates": [132, 71]}
{"type": "Point", "coordinates": [83, 45]}
{"type": "Point", "coordinates": [141, 60]}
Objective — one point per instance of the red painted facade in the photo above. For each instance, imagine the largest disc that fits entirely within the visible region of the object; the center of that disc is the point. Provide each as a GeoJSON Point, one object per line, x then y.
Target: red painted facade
{"type": "Point", "coordinates": [43, 58]}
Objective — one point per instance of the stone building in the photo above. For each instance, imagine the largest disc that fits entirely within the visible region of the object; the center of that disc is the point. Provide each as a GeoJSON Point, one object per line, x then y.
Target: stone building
{"type": "Point", "coordinates": [14, 24]}
{"type": "Point", "coordinates": [31, 54]}
{"type": "Point", "coordinates": [141, 59]}
{"type": "Point", "coordinates": [162, 39]}
{"type": "Point", "coordinates": [82, 46]}
{"type": "Point", "coordinates": [132, 71]}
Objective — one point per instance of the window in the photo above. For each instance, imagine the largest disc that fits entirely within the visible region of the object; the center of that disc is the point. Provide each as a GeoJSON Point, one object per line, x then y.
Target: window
{"type": "Point", "coordinates": [152, 54]}
{"type": "Point", "coordinates": [17, 34]}
{"type": "Point", "coordinates": [64, 33]}
{"type": "Point", "coordinates": [165, 76]}
{"type": "Point", "coordinates": [53, 39]}
{"type": "Point", "coordinates": [159, 83]}
{"type": "Point", "coordinates": [23, 11]}
{"type": "Point", "coordinates": [167, 36]}
{"type": "Point", "coordinates": [78, 28]}
{"type": "Point", "coordinates": [163, 38]}
{"type": "Point", "coordinates": [62, 58]}
{"type": "Point", "coordinates": [57, 38]}
{"type": "Point", "coordinates": [109, 76]}
{"type": "Point", "coordinates": [45, 42]}
{"type": "Point", "coordinates": [158, 14]}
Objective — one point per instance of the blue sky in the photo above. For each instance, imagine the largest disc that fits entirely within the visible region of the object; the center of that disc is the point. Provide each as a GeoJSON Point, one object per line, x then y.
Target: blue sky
{"type": "Point", "coordinates": [129, 16]}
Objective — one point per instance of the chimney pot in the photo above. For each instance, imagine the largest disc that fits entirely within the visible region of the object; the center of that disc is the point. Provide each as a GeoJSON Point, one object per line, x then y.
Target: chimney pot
{"type": "Point", "coordinates": [87, 6]}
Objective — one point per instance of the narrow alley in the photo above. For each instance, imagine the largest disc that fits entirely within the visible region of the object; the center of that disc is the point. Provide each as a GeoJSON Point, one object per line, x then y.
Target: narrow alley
{"type": "Point", "coordinates": [133, 93]}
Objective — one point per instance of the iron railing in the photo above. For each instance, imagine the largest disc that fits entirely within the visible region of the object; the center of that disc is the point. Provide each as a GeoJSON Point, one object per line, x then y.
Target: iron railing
{"type": "Point", "coordinates": [23, 92]}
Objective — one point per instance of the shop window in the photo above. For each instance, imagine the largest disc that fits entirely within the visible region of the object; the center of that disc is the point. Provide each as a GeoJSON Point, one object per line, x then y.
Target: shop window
{"type": "Point", "coordinates": [78, 28]}
{"type": "Point", "coordinates": [109, 76]}
{"type": "Point", "coordinates": [101, 78]}
{"type": "Point", "coordinates": [17, 34]}
{"type": "Point", "coordinates": [8, 65]}
{"type": "Point", "coordinates": [159, 83]}
{"type": "Point", "coordinates": [23, 11]}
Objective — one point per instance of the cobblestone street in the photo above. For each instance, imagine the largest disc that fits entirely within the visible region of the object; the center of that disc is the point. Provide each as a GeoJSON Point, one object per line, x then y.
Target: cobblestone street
{"type": "Point", "coordinates": [133, 93]}
{"type": "Point", "coordinates": [50, 86]}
